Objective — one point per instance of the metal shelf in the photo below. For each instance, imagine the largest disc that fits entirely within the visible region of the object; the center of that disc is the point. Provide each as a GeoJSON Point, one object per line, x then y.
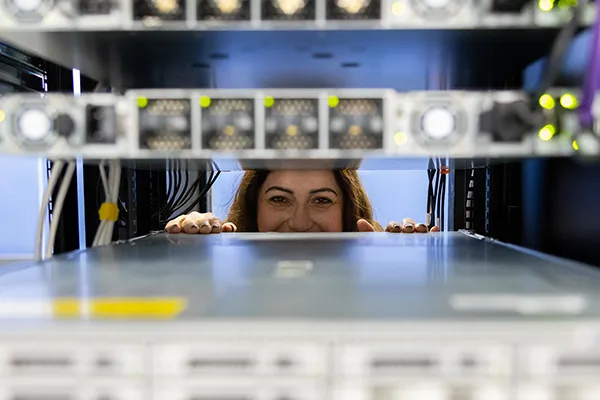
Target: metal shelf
{"type": "Point", "coordinates": [403, 60]}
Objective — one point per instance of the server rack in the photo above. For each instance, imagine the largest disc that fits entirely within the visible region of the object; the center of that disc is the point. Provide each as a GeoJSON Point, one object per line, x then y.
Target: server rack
{"type": "Point", "coordinates": [309, 317]}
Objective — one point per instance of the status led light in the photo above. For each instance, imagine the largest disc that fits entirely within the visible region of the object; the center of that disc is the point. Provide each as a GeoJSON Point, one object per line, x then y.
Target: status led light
{"type": "Point", "coordinates": [575, 145]}
{"type": "Point", "coordinates": [547, 132]}
{"type": "Point", "coordinates": [567, 3]}
{"type": "Point", "coordinates": [397, 8]}
{"type": "Point", "coordinates": [333, 101]}
{"type": "Point", "coordinates": [142, 102]}
{"type": "Point", "coordinates": [400, 138]}
{"type": "Point", "coordinates": [568, 101]}
{"type": "Point", "coordinates": [546, 5]}
{"type": "Point", "coordinates": [269, 102]}
{"type": "Point", "coordinates": [547, 102]}
{"type": "Point", "coordinates": [205, 101]}
{"type": "Point", "coordinates": [2, 116]}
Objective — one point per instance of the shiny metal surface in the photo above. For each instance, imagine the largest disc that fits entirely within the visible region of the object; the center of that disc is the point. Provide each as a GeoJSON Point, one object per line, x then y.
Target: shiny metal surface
{"type": "Point", "coordinates": [402, 60]}
{"type": "Point", "coordinates": [322, 277]}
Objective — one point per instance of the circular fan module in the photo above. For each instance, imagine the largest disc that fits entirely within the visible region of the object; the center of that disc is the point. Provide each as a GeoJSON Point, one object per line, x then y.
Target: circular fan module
{"type": "Point", "coordinates": [29, 10]}
{"type": "Point", "coordinates": [292, 124]}
{"type": "Point", "coordinates": [34, 127]}
{"type": "Point", "coordinates": [437, 9]}
{"type": "Point", "coordinates": [352, 6]}
{"type": "Point", "coordinates": [289, 7]}
{"type": "Point", "coordinates": [356, 124]}
{"type": "Point", "coordinates": [438, 124]}
{"type": "Point", "coordinates": [159, 10]}
{"type": "Point", "coordinates": [223, 10]}
{"type": "Point", "coordinates": [227, 7]}
{"type": "Point", "coordinates": [227, 124]}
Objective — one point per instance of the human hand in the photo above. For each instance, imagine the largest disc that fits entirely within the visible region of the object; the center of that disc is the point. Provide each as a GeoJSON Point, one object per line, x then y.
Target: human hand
{"type": "Point", "coordinates": [408, 225]}
{"type": "Point", "coordinates": [198, 223]}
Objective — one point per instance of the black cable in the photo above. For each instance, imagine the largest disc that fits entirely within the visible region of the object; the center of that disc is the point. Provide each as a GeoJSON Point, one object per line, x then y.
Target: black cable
{"type": "Point", "coordinates": [556, 58]}
{"type": "Point", "coordinates": [177, 184]}
{"type": "Point", "coordinates": [435, 192]}
{"type": "Point", "coordinates": [203, 193]}
{"type": "Point", "coordinates": [443, 199]}
{"type": "Point", "coordinates": [438, 192]}
{"type": "Point", "coordinates": [177, 194]}
{"type": "Point", "coordinates": [189, 193]}
{"type": "Point", "coordinates": [430, 175]}
{"type": "Point", "coordinates": [169, 194]}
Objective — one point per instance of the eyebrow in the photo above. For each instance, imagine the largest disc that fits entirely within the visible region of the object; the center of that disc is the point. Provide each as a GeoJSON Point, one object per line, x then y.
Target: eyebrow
{"type": "Point", "coordinates": [290, 191]}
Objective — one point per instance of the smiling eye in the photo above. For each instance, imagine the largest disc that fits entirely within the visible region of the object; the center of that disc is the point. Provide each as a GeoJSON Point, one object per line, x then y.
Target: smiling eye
{"type": "Point", "coordinates": [323, 200]}
{"type": "Point", "coordinates": [277, 199]}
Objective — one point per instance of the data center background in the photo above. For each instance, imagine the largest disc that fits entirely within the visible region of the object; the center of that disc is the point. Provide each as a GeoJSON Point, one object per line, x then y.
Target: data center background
{"type": "Point", "coordinates": [543, 204]}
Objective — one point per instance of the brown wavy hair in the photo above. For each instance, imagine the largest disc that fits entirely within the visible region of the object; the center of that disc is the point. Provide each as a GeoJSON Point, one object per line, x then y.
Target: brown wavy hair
{"type": "Point", "coordinates": [244, 209]}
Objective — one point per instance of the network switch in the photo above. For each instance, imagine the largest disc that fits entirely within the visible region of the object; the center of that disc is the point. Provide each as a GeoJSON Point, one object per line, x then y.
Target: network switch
{"type": "Point", "coordinates": [294, 123]}
{"type": "Point", "coordinates": [353, 322]}
{"type": "Point", "coordinates": [62, 124]}
{"type": "Point", "coordinates": [111, 15]}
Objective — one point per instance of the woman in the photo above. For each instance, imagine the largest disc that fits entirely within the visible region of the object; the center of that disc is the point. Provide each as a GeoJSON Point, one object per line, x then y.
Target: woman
{"type": "Point", "coordinates": [295, 201]}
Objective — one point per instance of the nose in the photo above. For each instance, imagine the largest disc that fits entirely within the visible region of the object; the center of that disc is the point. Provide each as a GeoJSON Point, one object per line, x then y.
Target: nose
{"type": "Point", "coordinates": [300, 220]}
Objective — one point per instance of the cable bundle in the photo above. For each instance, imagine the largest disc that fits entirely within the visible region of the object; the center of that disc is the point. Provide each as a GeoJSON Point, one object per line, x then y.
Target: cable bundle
{"type": "Point", "coordinates": [555, 61]}
{"type": "Point", "coordinates": [55, 175]}
{"type": "Point", "coordinates": [436, 196]}
{"type": "Point", "coordinates": [177, 201]}
{"type": "Point", "coordinates": [109, 211]}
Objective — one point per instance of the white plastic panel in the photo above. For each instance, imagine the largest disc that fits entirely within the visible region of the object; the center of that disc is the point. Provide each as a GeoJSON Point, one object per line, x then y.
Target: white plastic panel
{"type": "Point", "coordinates": [244, 359]}
{"type": "Point", "coordinates": [70, 389]}
{"type": "Point", "coordinates": [227, 389]}
{"type": "Point", "coordinates": [559, 362]}
{"type": "Point", "coordinates": [415, 389]}
{"type": "Point", "coordinates": [423, 359]}
{"type": "Point", "coordinates": [74, 359]}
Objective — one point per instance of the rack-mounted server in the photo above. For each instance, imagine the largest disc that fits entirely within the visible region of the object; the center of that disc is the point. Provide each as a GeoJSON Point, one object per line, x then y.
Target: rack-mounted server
{"type": "Point", "coordinates": [110, 15]}
{"type": "Point", "coordinates": [456, 323]}
{"type": "Point", "coordinates": [303, 123]}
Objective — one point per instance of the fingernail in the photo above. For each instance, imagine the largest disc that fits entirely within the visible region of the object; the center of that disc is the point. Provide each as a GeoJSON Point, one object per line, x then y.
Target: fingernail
{"type": "Point", "coordinates": [194, 226]}
{"type": "Point", "coordinates": [216, 226]}
{"type": "Point", "coordinates": [409, 226]}
{"type": "Point", "coordinates": [396, 226]}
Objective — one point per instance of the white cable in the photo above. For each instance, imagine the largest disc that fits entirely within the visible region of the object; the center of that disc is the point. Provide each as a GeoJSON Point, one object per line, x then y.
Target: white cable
{"type": "Point", "coordinates": [55, 174]}
{"type": "Point", "coordinates": [115, 181]}
{"type": "Point", "coordinates": [107, 196]}
{"type": "Point", "coordinates": [99, 234]}
{"type": "Point", "coordinates": [58, 206]}
{"type": "Point", "coordinates": [104, 180]}
{"type": "Point", "coordinates": [106, 228]}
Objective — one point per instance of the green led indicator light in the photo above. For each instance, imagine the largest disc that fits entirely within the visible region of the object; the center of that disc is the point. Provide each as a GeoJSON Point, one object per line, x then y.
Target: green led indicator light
{"type": "Point", "coordinates": [568, 101]}
{"type": "Point", "coordinates": [547, 102]}
{"type": "Point", "coordinates": [567, 3]}
{"type": "Point", "coordinates": [142, 102]}
{"type": "Point", "coordinates": [575, 145]}
{"type": "Point", "coordinates": [547, 132]}
{"type": "Point", "coordinates": [546, 5]}
{"type": "Point", "coordinates": [205, 101]}
{"type": "Point", "coordinates": [269, 102]}
{"type": "Point", "coordinates": [333, 101]}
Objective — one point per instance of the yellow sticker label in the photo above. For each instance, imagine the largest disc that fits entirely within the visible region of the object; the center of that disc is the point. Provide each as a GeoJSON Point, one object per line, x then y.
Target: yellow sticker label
{"type": "Point", "coordinates": [119, 307]}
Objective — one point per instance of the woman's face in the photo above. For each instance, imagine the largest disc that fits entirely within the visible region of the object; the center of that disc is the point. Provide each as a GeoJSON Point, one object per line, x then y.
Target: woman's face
{"type": "Point", "coordinates": [300, 201]}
